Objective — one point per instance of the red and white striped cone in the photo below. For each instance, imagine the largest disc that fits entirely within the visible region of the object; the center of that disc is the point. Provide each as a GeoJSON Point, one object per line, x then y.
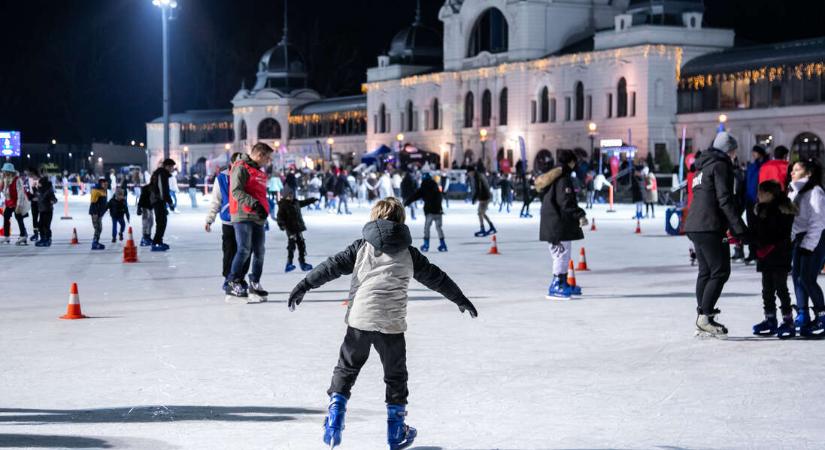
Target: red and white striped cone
{"type": "Point", "coordinates": [73, 308]}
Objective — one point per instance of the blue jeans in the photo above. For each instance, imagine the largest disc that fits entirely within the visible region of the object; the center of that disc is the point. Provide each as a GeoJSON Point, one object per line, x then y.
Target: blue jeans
{"type": "Point", "coordinates": [251, 240]}
{"type": "Point", "coordinates": [115, 221]}
{"type": "Point", "coordinates": [806, 268]}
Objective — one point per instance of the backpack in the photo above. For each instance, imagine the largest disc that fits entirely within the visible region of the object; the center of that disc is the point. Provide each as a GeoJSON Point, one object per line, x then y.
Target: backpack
{"type": "Point", "coordinates": [145, 196]}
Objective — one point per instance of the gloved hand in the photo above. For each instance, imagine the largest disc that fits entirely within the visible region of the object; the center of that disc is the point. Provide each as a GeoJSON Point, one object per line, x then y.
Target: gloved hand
{"type": "Point", "coordinates": [260, 210]}
{"type": "Point", "coordinates": [467, 306]}
{"type": "Point", "coordinates": [297, 294]}
{"type": "Point", "coordinates": [313, 200]}
{"type": "Point", "coordinates": [583, 222]}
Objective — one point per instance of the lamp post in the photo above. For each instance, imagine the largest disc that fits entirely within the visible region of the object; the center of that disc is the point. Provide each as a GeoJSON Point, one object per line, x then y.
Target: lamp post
{"type": "Point", "coordinates": [185, 154]}
{"type": "Point", "coordinates": [165, 7]}
{"type": "Point", "coordinates": [723, 119]}
{"type": "Point", "coordinates": [483, 134]}
{"type": "Point", "coordinates": [592, 130]}
{"type": "Point", "coordinates": [399, 139]}
{"type": "Point", "coordinates": [226, 148]}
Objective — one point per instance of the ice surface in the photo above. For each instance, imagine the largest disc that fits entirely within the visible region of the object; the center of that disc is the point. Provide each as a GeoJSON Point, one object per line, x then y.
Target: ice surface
{"type": "Point", "coordinates": [165, 363]}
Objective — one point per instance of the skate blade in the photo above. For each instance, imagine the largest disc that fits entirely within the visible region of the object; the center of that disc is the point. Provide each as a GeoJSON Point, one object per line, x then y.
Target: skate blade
{"type": "Point", "coordinates": [704, 335]}
{"type": "Point", "coordinates": [232, 300]}
{"type": "Point", "coordinates": [255, 299]}
{"type": "Point", "coordinates": [558, 297]}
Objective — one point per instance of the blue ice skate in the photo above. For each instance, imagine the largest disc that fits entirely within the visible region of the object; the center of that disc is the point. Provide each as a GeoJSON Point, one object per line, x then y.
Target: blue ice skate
{"type": "Point", "coordinates": [399, 435]}
{"type": "Point", "coordinates": [813, 329]}
{"type": "Point", "coordinates": [98, 246]}
{"type": "Point", "coordinates": [426, 247]}
{"type": "Point", "coordinates": [802, 318]}
{"type": "Point", "coordinates": [43, 243]}
{"type": "Point", "coordinates": [558, 290]}
{"type": "Point", "coordinates": [767, 327]}
{"type": "Point", "coordinates": [334, 423]}
{"type": "Point", "coordinates": [442, 246]}
{"type": "Point", "coordinates": [289, 267]}
{"type": "Point", "coordinates": [306, 267]}
{"type": "Point", "coordinates": [480, 233]}
{"type": "Point", "coordinates": [492, 230]}
{"type": "Point", "coordinates": [786, 330]}
{"type": "Point", "coordinates": [159, 247]}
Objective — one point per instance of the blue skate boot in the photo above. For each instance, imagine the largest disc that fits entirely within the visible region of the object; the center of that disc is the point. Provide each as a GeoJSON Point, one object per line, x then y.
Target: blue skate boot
{"type": "Point", "coordinates": [558, 289]}
{"type": "Point", "coordinates": [787, 329]}
{"type": "Point", "coordinates": [334, 423]}
{"type": "Point", "coordinates": [480, 233]}
{"type": "Point", "coordinates": [815, 328]}
{"type": "Point", "coordinates": [574, 290]}
{"type": "Point", "coordinates": [442, 246]}
{"type": "Point", "coordinates": [492, 230]}
{"type": "Point", "coordinates": [399, 435]}
{"type": "Point", "coordinates": [802, 318]}
{"type": "Point", "coordinates": [98, 246]}
{"type": "Point", "coordinates": [289, 267]}
{"type": "Point", "coordinates": [426, 247]}
{"type": "Point", "coordinates": [305, 267]}
{"type": "Point", "coordinates": [159, 247]}
{"type": "Point", "coordinates": [767, 327]}
{"type": "Point", "coordinates": [145, 242]}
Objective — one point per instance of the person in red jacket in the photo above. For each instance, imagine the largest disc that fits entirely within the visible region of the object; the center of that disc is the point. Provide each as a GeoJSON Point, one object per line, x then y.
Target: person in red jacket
{"type": "Point", "coordinates": [777, 168]}
{"type": "Point", "coordinates": [16, 203]}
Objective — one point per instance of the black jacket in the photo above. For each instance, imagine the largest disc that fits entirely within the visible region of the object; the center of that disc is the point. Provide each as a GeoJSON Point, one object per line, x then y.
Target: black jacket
{"type": "Point", "coordinates": [118, 208]}
{"type": "Point", "coordinates": [771, 227]}
{"type": "Point", "coordinates": [289, 216]}
{"type": "Point", "coordinates": [341, 185]}
{"type": "Point", "coordinates": [506, 187]}
{"type": "Point", "coordinates": [481, 191]}
{"type": "Point", "coordinates": [714, 208]}
{"type": "Point", "coordinates": [407, 186]}
{"type": "Point", "coordinates": [431, 195]}
{"type": "Point", "coordinates": [45, 195]}
{"type": "Point", "coordinates": [159, 188]}
{"type": "Point", "coordinates": [560, 212]}
{"type": "Point", "coordinates": [636, 183]}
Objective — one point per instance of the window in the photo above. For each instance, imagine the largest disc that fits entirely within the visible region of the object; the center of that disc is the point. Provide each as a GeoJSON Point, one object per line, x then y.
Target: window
{"type": "Point", "coordinates": [486, 108]}
{"type": "Point", "coordinates": [727, 98]}
{"type": "Point", "coordinates": [579, 101]}
{"type": "Point", "coordinates": [532, 111]}
{"type": "Point", "coordinates": [567, 108]}
{"type": "Point", "coordinates": [544, 105]}
{"type": "Point", "coordinates": [469, 113]}
{"type": "Point", "coordinates": [489, 33]}
{"type": "Point", "coordinates": [382, 114]}
{"type": "Point", "coordinates": [621, 98]}
{"type": "Point", "coordinates": [410, 125]}
{"type": "Point", "coordinates": [269, 128]}
{"type": "Point", "coordinates": [743, 93]}
{"type": "Point", "coordinates": [633, 104]}
{"type": "Point", "coordinates": [502, 107]}
{"type": "Point", "coordinates": [435, 114]}
{"type": "Point", "coordinates": [609, 106]}
{"type": "Point", "coordinates": [242, 133]}
{"type": "Point", "coordinates": [552, 110]}
{"type": "Point", "coordinates": [776, 94]}
{"type": "Point", "coordinates": [589, 104]}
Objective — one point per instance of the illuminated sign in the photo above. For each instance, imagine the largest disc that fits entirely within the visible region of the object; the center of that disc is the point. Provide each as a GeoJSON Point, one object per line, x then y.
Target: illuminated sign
{"type": "Point", "coordinates": [610, 143]}
{"type": "Point", "coordinates": [9, 143]}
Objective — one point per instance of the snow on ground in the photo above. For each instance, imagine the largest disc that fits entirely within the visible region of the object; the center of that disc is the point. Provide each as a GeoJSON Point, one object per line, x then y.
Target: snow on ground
{"type": "Point", "coordinates": [165, 363]}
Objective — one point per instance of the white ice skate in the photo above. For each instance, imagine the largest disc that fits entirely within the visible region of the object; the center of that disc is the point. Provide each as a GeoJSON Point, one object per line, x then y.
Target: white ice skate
{"type": "Point", "coordinates": [257, 294]}
{"type": "Point", "coordinates": [7, 240]}
{"type": "Point", "coordinates": [707, 327]}
{"type": "Point", "coordinates": [22, 240]}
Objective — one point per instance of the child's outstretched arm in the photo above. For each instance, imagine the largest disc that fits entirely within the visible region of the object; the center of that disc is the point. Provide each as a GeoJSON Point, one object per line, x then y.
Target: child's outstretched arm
{"type": "Point", "coordinates": [335, 266]}
{"type": "Point", "coordinates": [434, 278]}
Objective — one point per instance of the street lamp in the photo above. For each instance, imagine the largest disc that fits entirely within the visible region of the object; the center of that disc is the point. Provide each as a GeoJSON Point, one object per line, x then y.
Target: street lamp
{"type": "Point", "coordinates": [330, 141]}
{"type": "Point", "coordinates": [723, 119]}
{"type": "Point", "coordinates": [54, 141]}
{"type": "Point", "coordinates": [133, 143]}
{"type": "Point", "coordinates": [592, 130]}
{"type": "Point", "coordinates": [165, 7]}
{"type": "Point", "coordinates": [483, 134]}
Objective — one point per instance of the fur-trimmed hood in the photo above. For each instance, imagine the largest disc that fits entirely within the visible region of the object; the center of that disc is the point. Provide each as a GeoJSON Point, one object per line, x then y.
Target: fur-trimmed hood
{"type": "Point", "coordinates": [545, 180]}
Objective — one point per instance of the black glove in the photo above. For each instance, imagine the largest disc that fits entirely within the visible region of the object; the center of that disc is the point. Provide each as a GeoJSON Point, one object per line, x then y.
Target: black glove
{"type": "Point", "coordinates": [297, 294]}
{"type": "Point", "coordinates": [312, 200]}
{"type": "Point", "coordinates": [260, 210]}
{"type": "Point", "coordinates": [467, 306]}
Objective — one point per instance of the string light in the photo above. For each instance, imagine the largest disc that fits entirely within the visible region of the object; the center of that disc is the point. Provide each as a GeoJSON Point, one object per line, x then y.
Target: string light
{"type": "Point", "coordinates": [774, 73]}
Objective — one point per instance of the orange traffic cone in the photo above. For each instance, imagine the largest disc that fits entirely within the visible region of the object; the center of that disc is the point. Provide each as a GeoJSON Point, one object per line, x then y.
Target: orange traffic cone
{"type": "Point", "coordinates": [494, 247]}
{"type": "Point", "coordinates": [571, 274]}
{"type": "Point", "coordinates": [74, 237]}
{"type": "Point", "coordinates": [73, 309]}
{"type": "Point", "coordinates": [130, 250]}
{"type": "Point", "coordinates": [582, 261]}
{"type": "Point", "coordinates": [638, 227]}
{"type": "Point", "coordinates": [593, 225]}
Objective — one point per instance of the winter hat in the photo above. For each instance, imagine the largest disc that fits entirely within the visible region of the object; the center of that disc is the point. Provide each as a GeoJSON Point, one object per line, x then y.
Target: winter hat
{"type": "Point", "coordinates": [761, 150]}
{"type": "Point", "coordinates": [8, 167]}
{"type": "Point", "coordinates": [725, 142]}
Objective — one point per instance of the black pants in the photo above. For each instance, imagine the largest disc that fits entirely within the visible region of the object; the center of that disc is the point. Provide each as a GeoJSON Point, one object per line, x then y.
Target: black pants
{"type": "Point", "coordinates": [296, 239]}
{"type": "Point", "coordinates": [751, 217]}
{"type": "Point", "coordinates": [775, 284]}
{"type": "Point", "coordinates": [45, 224]}
{"type": "Point", "coordinates": [391, 348]}
{"type": "Point", "coordinates": [7, 214]}
{"type": "Point", "coordinates": [713, 255]}
{"type": "Point", "coordinates": [35, 216]}
{"type": "Point", "coordinates": [160, 223]}
{"type": "Point", "coordinates": [230, 247]}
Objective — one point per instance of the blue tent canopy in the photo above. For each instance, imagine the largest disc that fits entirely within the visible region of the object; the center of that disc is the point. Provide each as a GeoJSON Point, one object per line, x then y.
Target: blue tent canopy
{"type": "Point", "coordinates": [373, 156]}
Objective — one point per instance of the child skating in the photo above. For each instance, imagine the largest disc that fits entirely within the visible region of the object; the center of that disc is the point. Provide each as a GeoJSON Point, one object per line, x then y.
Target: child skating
{"type": "Point", "coordinates": [97, 209]}
{"type": "Point", "coordinates": [119, 212]}
{"type": "Point", "coordinates": [382, 263]}
{"type": "Point", "coordinates": [291, 221]}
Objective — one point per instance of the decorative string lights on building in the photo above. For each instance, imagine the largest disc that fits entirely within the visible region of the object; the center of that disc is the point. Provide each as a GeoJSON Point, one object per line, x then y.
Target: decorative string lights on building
{"type": "Point", "coordinates": [799, 71]}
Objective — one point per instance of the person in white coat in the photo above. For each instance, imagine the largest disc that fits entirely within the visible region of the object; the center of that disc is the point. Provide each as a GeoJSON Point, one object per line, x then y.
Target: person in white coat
{"type": "Point", "coordinates": [808, 234]}
{"type": "Point", "coordinates": [173, 191]}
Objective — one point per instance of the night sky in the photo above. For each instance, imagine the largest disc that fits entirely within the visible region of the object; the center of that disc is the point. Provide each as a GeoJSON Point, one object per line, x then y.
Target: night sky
{"type": "Point", "coordinates": [84, 70]}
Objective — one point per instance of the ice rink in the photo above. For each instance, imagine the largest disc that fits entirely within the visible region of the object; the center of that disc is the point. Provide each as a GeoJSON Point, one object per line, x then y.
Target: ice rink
{"type": "Point", "coordinates": [165, 363]}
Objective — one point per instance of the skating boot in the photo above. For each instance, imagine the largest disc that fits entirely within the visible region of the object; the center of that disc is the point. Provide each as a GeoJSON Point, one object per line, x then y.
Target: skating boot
{"type": "Point", "coordinates": [442, 246]}
{"type": "Point", "coordinates": [767, 327]}
{"type": "Point", "coordinates": [43, 243]}
{"type": "Point", "coordinates": [120, 236]}
{"type": "Point", "coordinates": [98, 246]}
{"type": "Point", "coordinates": [35, 237]}
{"type": "Point", "coordinates": [480, 233]}
{"type": "Point", "coordinates": [6, 240]}
{"type": "Point", "coordinates": [574, 290]}
{"type": "Point", "coordinates": [707, 326]}
{"type": "Point", "coordinates": [23, 240]}
{"type": "Point", "coordinates": [334, 423]}
{"type": "Point", "coordinates": [426, 247]}
{"type": "Point", "coordinates": [399, 434]}
{"type": "Point", "coordinates": [787, 329]}
{"type": "Point", "coordinates": [815, 328]}
{"type": "Point", "coordinates": [492, 230]}
{"type": "Point", "coordinates": [114, 240]}
{"type": "Point", "coordinates": [257, 292]}
{"type": "Point", "coordinates": [145, 241]}
{"type": "Point", "coordinates": [802, 318]}
{"type": "Point", "coordinates": [289, 267]}
{"type": "Point", "coordinates": [236, 292]}
{"type": "Point", "coordinates": [305, 267]}
{"type": "Point", "coordinates": [738, 254]}
{"type": "Point", "coordinates": [558, 289]}
{"type": "Point", "coordinates": [159, 247]}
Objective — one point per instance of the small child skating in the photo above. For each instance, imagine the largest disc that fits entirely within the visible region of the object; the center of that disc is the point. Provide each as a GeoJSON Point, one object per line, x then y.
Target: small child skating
{"type": "Point", "coordinates": [382, 264]}
{"type": "Point", "coordinates": [97, 209]}
{"type": "Point", "coordinates": [772, 223]}
{"type": "Point", "coordinates": [144, 209]}
{"type": "Point", "coordinates": [291, 221]}
{"type": "Point", "coordinates": [431, 194]}
{"type": "Point", "coordinates": [45, 200]}
{"type": "Point", "coordinates": [119, 212]}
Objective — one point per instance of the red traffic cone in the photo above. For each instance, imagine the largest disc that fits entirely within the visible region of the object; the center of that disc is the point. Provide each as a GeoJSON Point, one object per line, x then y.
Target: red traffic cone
{"type": "Point", "coordinates": [571, 274]}
{"type": "Point", "coordinates": [638, 227]}
{"type": "Point", "coordinates": [73, 309]}
{"type": "Point", "coordinates": [593, 225]}
{"type": "Point", "coordinates": [494, 247]}
{"type": "Point", "coordinates": [74, 237]}
{"type": "Point", "coordinates": [130, 250]}
{"type": "Point", "coordinates": [582, 261]}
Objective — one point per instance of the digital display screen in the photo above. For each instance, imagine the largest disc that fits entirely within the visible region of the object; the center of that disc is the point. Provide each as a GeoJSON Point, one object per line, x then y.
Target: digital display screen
{"type": "Point", "coordinates": [9, 143]}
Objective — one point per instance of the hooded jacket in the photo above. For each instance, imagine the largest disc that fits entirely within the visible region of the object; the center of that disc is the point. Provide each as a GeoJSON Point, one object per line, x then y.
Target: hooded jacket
{"type": "Point", "coordinates": [159, 192]}
{"type": "Point", "coordinates": [99, 204]}
{"type": "Point", "coordinates": [45, 195]}
{"type": "Point", "coordinates": [714, 208]}
{"type": "Point", "coordinates": [289, 216]}
{"type": "Point", "coordinates": [382, 264]}
{"type": "Point", "coordinates": [560, 212]}
{"type": "Point", "coordinates": [771, 228]}
{"type": "Point", "coordinates": [810, 223]}
{"type": "Point", "coordinates": [431, 195]}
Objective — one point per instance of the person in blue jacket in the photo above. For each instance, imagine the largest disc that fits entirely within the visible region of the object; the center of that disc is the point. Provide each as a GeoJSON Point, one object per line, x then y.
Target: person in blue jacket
{"type": "Point", "coordinates": [220, 207]}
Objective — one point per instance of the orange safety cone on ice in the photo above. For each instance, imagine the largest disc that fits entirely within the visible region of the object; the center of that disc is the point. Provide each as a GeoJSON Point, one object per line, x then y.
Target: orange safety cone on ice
{"type": "Point", "coordinates": [73, 309]}
{"type": "Point", "coordinates": [638, 226]}
{"type": "Point", "coordinates": [74, 237]}
{"type": "Point", "coordinates": [593, 225]}
{"type": "Point", "coordinates": [571, 274]}
{"type": "Point", "coordinates": [494, 247]}
{"type": "Point", "coordinates": [130, 250]}
{"type": "Point", "coordinates": [582, 261]}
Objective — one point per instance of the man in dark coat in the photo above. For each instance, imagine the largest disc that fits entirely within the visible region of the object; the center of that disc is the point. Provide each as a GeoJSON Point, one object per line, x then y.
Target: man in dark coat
{"type": "Point", "coordinates": [159, 199]}
{"type": "Point", "coordinates": [408, 187]}
{"type": "Point", "coordinates": [713, 212]}
{"type": "Point", "coordinates": [481, 193]}
{"type": "Point", "coordinates": [431, 194]}
{"type": "Point", "coordinates": [561, 221]}
{"type": "Point", "coordinates": [342, 192]}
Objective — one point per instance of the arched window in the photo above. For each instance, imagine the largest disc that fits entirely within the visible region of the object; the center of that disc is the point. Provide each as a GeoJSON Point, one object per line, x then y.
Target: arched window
{"type": "Point", "coordinates": [621, 98]}
{"type": "Point", "coordinates": [486, 108]}
{"type": "Point", "coordinates": [436, 114]}
{"type": "Point", "coordinates": [544, 105]}
{"type": "Point", "coordinates": [489, 33]}
{"type": "Point", "coordinates": [410, 113]}
{"type": "Point", "coordinates": [469, 113]}
{"type": "Point", "coordinates": [382, 119]}
{"type": "Point", "coordinates": [269, 128]}
{"type": "Point", "coordinates": [502, 107]}
{"type": "Point", "coordinates": [808, 146]}
{"type": "Point", "coordinates": [579, 101]}
{"type": "Point", "coordinates": [242, 133]}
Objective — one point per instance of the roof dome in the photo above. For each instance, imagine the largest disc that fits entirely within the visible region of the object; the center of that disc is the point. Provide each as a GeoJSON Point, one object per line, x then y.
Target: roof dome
{"type": "Point", "coordinates": [281, 67]}
{"type": "Point", "coordinates": [417, 44]}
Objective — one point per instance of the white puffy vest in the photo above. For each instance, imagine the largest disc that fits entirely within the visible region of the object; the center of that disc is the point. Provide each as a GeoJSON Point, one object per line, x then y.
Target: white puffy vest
{"type": "Point", "coordinates": [378, 293]}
